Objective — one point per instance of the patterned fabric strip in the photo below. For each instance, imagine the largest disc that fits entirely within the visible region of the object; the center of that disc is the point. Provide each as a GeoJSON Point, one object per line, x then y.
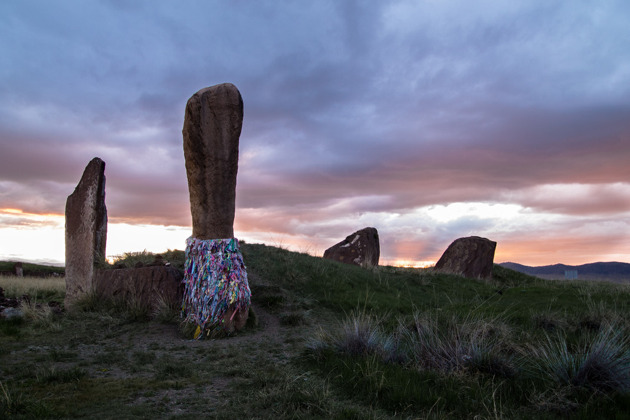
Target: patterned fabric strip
{"type": "Point", "coordinates": [215, 280]}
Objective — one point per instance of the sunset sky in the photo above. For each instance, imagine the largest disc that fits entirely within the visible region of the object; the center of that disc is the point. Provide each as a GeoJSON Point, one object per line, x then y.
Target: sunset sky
{"type": "Point", "coordinates": [428, 120]}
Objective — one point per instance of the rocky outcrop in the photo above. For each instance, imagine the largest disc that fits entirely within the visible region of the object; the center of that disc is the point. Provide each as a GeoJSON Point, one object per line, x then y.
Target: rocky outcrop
{"type": "Point", "coordinates": [86, 230]}
{"type": "Point", "coordinates": [212, 127]}
{"type": "Point", "coordinates": [146, 286]}
{"type": "Point", "coordinates": [471, 257]}
{"type": "Point", "coordinates": [361, 248]}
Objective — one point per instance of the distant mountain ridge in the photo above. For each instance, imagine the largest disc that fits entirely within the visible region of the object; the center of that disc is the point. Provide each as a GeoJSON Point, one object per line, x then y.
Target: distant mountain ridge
{"type": "Point", "coordinates": [607, 271]}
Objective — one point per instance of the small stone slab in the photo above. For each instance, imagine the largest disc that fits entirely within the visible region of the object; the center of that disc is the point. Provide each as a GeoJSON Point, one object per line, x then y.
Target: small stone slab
{"type": "Point", "coordinates": [145, 286]}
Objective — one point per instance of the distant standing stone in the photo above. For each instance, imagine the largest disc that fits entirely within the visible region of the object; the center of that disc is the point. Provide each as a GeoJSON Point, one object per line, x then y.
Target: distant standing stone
{"type": "Point", "coordinates": [86, 230]}
{"type": "Point", "coordinates": [361, 248]}
{"type": "Point", "coordinates": [471, 257]}
{"type": "Point", "coordinates": [19, 271]}
{"type": "Point", "coordinates": [212, 127]}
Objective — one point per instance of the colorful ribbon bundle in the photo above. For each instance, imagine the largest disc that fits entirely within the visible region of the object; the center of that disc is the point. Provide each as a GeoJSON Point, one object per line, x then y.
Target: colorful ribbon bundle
{"type": "Point", "coordinates": [215, 282]}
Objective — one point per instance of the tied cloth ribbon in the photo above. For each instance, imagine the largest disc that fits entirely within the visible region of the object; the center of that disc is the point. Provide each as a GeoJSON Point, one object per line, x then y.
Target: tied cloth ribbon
{"type": "Point", "coordinates": [215, 281]}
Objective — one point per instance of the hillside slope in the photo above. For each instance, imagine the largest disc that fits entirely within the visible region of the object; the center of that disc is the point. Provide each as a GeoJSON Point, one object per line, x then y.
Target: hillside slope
{"type": "Point", "coordinates": [328, 340]}
{"type": "Point", "coordinates": [606, 271]}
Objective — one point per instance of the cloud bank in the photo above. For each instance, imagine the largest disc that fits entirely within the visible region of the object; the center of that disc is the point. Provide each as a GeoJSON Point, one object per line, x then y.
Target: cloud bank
{"type": "Point", "coordinates": [510, 118]}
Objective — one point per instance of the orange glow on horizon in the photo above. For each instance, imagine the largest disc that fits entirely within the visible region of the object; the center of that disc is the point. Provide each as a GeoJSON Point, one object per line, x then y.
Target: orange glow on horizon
{"type": "Point", "coordinates": [12, 211]}
{"type": "Point", "coordinates": [409, 263]}
{"type": "Point", "coordinates": [20, 212]}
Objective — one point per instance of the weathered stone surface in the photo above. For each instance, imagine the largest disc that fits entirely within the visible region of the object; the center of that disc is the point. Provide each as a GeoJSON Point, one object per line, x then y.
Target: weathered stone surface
{"type": "Point", "coordinates": [144, 286]}
{"type": "Point", "coordinates": [235, 322]}
{"type": "Point", "coordinates": [361, 248]}
{"type": "Point", "coordinates": [212, 127]}
{"type": "Point", "coordinates": [86, 230]}
{"type": "Point", "coordinates": [11, 313]}
{"type": "Point", "coordinates": [471, 257]}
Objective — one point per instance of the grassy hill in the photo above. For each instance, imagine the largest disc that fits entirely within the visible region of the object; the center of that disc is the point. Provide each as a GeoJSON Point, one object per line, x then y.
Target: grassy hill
{"type": "Point", "coordinates": [600, 271]}
{"type": "Point", "coordinates": [29, 269]}
{"type": "Point", "coordinates": [329, 340]}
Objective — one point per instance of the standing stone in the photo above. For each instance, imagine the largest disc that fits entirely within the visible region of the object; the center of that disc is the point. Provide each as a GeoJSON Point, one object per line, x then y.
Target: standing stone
{"type": "Point", "coordinates": [86, 231]}
{"type": "Point", "coordinates": [471, 257]}
{"type": "Point", "coordinates": [19, 271]}
{"type": "Point", "coordinates": [361, 248]}
{"type": "Point", "coordinates": [212, 127]}
{"type": "Point", "coordinates": [216, 292]}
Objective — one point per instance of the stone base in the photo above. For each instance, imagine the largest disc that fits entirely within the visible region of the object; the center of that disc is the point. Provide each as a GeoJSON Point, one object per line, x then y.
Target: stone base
{"type": "Point", "coordinates": [216, 291]}
{"type": "Point", "coordinates": [150, 286]}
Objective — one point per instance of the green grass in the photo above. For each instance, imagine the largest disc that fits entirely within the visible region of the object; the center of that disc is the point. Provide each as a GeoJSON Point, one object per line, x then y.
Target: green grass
{"type": "Point", "coordinates": [331, 341]}
{"type": "Point", "coordinates": [43, 289]}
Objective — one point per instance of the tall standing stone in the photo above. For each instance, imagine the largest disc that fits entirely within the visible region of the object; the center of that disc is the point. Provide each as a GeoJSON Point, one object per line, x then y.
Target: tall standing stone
{"type": "Point", "coordinates": [216, 292]}
{"type": "Point", "coordinates": [212, 127]}
{"type": "Point", "coordinates": [86, 230]}
{"type": "Point", "coordinates": [471, 257]}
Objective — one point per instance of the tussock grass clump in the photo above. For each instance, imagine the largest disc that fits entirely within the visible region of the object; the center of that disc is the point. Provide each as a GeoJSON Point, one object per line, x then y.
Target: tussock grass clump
{"type": "Point", "coordinates": [39, 314]}
{"type": "Point", "coordinates": [165, 310]}
{"type": "Point", "coordinates": [130, 309]}
{"type": "Point", "coordinates": [51, 374]}
{"type": "Point", "coordinates": [16, 405]}
{"type": "Point", "coordinates": [360, 334]}
{"type": "Point", "coordinates": [431, 343]}
{"type": "Point", "coordinates": [10, 403]}
{"type": "Point", "coordinates": [130, 259]}
{"type": "Point", "coordinates": [450, 345]}
{"type": "Point", "coordinates": [602, 363]}
{"type": "Point", "coordinates": [549, 320]}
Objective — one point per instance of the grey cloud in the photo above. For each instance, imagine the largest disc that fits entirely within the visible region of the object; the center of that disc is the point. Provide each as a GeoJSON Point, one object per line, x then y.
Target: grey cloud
{"type": "Point", "coordinates": [413, 103]}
